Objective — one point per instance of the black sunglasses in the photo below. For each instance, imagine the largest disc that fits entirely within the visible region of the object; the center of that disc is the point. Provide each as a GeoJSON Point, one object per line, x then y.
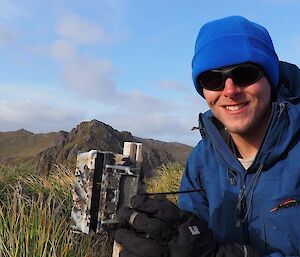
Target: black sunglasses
{"type": "Point", "coordinates": [242, 75]}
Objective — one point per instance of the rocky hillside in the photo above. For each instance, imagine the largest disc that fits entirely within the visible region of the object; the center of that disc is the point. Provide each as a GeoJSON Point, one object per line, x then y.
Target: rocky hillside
{"type": "Point", "coordinates": [49, 149]}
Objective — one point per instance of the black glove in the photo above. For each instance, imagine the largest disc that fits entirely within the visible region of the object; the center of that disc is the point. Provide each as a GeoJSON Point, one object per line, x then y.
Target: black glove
{"type": "Point", "coordinates": [158, 228]}
{"type": "Point", "coordinates": [237, 250]}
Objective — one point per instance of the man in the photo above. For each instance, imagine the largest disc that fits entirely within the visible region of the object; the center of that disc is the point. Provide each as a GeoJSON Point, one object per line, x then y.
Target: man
{"type": "Point", "coordinates": [245, 172]}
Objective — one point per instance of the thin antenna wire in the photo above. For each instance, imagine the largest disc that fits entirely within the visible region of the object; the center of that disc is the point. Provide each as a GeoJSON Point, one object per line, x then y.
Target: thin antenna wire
{"type": "Point", "coordinates": [174, 192]}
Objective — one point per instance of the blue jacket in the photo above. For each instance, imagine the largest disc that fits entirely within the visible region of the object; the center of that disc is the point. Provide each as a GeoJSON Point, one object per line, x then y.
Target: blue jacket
{"type": "Point", "coordinates": [260, 207]}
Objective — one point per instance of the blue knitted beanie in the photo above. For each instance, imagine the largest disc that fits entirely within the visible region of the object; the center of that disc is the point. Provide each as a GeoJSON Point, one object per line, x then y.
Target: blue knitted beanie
{"type": "Point", "coordinates": [234, 40]}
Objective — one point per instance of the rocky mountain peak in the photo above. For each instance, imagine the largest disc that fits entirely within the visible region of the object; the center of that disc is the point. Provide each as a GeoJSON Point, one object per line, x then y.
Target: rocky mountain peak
{"type": "Point", "coordinates": [62, 147]}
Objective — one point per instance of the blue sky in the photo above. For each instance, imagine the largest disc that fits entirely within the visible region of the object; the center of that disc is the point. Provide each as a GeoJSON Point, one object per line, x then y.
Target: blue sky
{"type": "Point", "coordinates": [124, 62]}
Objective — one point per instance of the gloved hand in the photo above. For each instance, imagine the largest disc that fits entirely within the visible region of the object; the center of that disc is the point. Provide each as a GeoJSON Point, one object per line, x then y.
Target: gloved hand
{"type": "Point", "coordinates": [237, 250]}
{"type": "Point", "coordinates": [158, 228]}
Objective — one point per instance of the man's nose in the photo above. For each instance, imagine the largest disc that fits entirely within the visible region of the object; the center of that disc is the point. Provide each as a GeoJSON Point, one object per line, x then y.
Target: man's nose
{"type": "Point", "coordinates": [230, 89]}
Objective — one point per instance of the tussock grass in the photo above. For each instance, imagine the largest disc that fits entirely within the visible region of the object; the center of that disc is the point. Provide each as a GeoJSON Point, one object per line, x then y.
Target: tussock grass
{"type": "Point", "coordinates": [166, 179]}
{"type": "Point", "coordinates": [35, 217]}
{"type": "Point", "coordinates": [35, 213]}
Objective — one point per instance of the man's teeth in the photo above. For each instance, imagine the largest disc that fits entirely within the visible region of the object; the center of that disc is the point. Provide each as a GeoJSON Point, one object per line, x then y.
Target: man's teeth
{"type": "Point", "coordinates": [234, 107]}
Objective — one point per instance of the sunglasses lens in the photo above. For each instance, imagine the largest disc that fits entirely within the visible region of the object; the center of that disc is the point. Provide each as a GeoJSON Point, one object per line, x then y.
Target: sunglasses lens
{"type": "Point", "coordinates": [211, 80]}
{"type": "Point", "coordinates": [245, 74]}
{"type": "Point", "coordinates": [242, 75]}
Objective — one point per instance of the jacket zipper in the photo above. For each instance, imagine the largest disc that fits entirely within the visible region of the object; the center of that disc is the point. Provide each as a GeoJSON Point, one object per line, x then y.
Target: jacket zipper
{"type": "Point", "coordinates": [271, 121]}
{"type": "Point", "coordinates": [243, 202]}
{"type": "Point", "coordinates": [281, 106]}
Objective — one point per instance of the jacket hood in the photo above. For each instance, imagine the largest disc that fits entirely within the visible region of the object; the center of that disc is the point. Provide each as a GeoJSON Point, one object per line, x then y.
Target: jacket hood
{"type": "Point", "coordinates": [288, 87]}
{"type": "Point", "coordinates": [284, 131]}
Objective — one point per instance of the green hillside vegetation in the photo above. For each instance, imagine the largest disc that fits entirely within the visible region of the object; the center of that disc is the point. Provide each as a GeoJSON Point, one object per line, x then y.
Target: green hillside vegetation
{"type": "Point", "coordinates": [20, 146]}
{"type": "Point", "coordinates": [44, 150]}
{"type": "Point", "coordinates": [35, 213]}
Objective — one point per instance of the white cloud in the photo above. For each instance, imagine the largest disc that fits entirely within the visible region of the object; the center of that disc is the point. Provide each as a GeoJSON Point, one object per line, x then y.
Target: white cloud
{"type": "Point", "coordinates": [79, 30]}
{"type": "Point", "coordinates": [149, 117]}
{"type": "Point", "coordinates": [24, 92]}
{"type": "Point", "coordinates": [36, 116]}
{"type": "Point", "coordinates": [171, 85]}
{"type": "Point", "coordinates": [89, 87]}
{"type": "Point", "coordinates": [10, 11]}
{"type": "Point", "coordinates": [62, 50]}
{"type": "Point", "coordinates": [7, 36]}
{"type": "Point", "coordinates": [94, 79]}
{"type": "Point", "coordinates": [162, 126]}
{"type": "Point", "coordinates": [137, 102]}
{"type": "Point", "coordinates": [90, 78]}
{"type": "Point", "coordinates": [143, 115]}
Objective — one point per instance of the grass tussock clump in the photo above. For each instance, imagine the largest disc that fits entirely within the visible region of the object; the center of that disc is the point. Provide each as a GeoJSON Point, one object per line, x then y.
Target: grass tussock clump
{"type": "Point", "coordinates": [35, 213]}
{"type": "Point", "coordinates": [35, 217]}
{"type": "Point", "coordinates": [166, 179]}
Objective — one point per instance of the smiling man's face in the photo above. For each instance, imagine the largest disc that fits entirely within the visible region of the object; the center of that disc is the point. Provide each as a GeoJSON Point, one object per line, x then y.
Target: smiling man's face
{"type": "Point", "coordinates": [242, 110]}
